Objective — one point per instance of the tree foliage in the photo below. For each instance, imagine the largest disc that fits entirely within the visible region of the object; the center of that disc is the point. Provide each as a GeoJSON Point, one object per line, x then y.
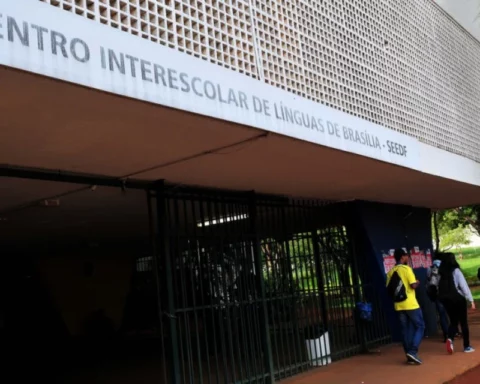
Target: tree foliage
{"type": "Point", "coordinates": [462, 217]}
{"type": "Point", "coordinates": [452, 227]}
{"type": "Point", "coordinates": [454, 238]}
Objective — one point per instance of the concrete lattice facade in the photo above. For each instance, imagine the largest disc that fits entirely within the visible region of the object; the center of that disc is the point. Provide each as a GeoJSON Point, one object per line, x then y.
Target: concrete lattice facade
{"type": "Point", "coordinates": [403, 64]}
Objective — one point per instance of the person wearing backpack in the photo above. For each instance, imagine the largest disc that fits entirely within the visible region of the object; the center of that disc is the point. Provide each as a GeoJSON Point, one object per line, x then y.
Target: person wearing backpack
{"type": "Point", "coordinates": [401, 285]}
{"type": "Point", "coordinates": [454, 292]}
{"type": "Point", "coordinates": [433, 279]}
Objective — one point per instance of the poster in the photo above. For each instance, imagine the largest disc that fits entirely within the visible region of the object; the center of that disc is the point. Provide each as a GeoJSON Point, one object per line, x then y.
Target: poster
{"type": "Point", "coordinates": [417, 258]}
{"type": "Point", "coordinates": [428, 259]}
{"type": "Point", "coordinates": [388, 260]}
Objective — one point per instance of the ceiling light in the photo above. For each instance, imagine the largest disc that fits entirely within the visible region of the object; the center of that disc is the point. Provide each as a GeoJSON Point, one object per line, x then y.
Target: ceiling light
{"type": "Point", "coordinates": [50, 203]}
{"type": "Point", "coordinates": [222, 220]}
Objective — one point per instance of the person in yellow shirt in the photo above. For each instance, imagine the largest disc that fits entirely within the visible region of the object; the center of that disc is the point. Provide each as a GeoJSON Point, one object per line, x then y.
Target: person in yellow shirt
{"type": "Point", "coordinates": [409, 312]}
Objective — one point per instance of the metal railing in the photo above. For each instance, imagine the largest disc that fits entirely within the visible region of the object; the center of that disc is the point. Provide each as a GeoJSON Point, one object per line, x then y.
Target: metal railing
{"type": "Point", "coordinates": [255, 289]}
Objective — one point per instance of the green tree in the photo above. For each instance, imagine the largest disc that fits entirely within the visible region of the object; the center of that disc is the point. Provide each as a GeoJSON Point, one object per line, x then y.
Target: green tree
{"type": "Point", "coordinates": [453, 227]}
{"type": "Point", "coordinates": [454, 238]}
{"type": "Point", "coordinates": [467, 217]}
{"type": "Point", "coordinates": [461, 217]}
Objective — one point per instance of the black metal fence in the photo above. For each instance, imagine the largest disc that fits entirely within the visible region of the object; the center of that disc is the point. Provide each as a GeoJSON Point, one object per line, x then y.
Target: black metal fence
{"type": "Point", "coordinates": [255, 289]}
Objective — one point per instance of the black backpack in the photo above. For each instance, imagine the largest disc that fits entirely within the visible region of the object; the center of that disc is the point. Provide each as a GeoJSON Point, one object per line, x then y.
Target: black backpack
{"type": "Point", "coordinates": [396, 289]}
{"type": "Point", "coordinates": [447, 290]}
{"type": "Point", "coordinates": [478, 274]}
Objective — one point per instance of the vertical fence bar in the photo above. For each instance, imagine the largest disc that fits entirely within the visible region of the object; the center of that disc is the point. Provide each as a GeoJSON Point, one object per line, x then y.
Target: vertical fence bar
{"type": "Point", "coordinates": [288, 306]}
{"type": "Point", "coordinates": [152, 223]}
{"type": "Point", "coordinates": [194, 236]}
{"type": "Point", "coordinates": [266, 226]}
{"type": "Point", "coordinates": [222, 212]}
{"type": "Point", "coordinates": [181, 302]}
{"type": "Point", "coordinates": [320, 301]}
{"type": "Point", "coordinates": [301, 252]}
{"type": "Point", "coordinates": [301, 259]}
{"type": "Point", "coordinates": [190, 254]}
{"type": "Point", "coordinates": [360, 327]}
{"type": "Point", "coordinates": [205, 215]}
{"type": "Point", "coordinates": [164, 248]}
{"type": "Point", "coordinates": [320, 279]}
{"type": "Point", "coordinates": [214, 215]}
{"type": "Point", "coordinates": [264, 323]}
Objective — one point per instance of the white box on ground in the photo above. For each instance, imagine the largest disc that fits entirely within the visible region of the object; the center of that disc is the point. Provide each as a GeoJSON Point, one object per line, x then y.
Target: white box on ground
{"type": "Point", "coordinates": [319, 350]}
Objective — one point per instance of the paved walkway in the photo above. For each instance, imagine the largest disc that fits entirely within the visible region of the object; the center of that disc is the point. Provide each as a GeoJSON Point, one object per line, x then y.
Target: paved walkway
{"type": "Point", "coordinates": [471, 377]}
{"type": "Point", "coordinates": [389, 367]}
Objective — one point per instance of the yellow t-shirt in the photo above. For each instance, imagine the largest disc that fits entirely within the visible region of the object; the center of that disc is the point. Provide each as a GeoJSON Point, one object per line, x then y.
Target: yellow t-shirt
{"type": "Point", "coordinates": [408, 277]}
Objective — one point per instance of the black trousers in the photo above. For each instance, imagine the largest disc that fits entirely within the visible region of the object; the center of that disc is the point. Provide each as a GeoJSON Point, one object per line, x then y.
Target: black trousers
{"type": "Point", "coordinates": [457, 312]}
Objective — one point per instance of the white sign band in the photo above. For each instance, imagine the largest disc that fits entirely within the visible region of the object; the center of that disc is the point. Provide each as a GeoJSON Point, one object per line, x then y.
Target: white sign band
{"type": "Point", "coordinates": [39, 38]}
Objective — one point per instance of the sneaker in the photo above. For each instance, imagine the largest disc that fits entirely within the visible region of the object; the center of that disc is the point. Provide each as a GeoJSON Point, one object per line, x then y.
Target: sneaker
{"type": "Point", "coordinates": [469, 350]}
{"type": "Point", "coordinates": [409, 361]}
{"type": "Point", "coordinates": [449, 345]}
{"type": "Point", "coordinates": [414, 358]}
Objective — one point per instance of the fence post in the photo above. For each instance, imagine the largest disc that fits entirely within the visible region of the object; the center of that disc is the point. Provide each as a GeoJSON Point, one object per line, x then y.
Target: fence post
{"type": "Point", "coordinates": [295, 295]}
{"type": "Point", "coordinates": [156, 265]}
{"type": "Point", "coordinates": [257, 254]}
{"type": "Point", "coordinates": [168, 270]}
{"type": "Point", "coordinates": [320, 280]}
{"type": "Point", "coordinates": [360, 327]}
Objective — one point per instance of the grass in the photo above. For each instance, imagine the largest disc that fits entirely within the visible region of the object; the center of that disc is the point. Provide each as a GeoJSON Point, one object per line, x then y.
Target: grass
{"type": "Point", "coordinates": [476, 294]}
{"type": "Point", "coordinates": [470, 253]}
{"type": "Point", "coordinates": [470, 268]}
{"type": "Point", "coordinates": [470, 263]}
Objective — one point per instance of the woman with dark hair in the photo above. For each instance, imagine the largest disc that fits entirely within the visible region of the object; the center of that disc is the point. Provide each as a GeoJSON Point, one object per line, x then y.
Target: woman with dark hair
{"type": "Point", "coordinates": [433, 276]}
{"type": "Point", "coordinates": [453, 292]}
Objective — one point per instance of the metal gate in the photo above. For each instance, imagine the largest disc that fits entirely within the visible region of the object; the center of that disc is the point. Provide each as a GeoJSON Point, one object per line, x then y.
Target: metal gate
{"type": "Point", "coordinates": [251, 288]}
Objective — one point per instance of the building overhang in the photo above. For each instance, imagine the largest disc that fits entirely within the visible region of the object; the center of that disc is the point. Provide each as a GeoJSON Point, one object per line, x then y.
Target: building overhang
{"type": "Point", "coordinates": [64, 114]}
{"type": "Point", "coordinates": [58, 126]}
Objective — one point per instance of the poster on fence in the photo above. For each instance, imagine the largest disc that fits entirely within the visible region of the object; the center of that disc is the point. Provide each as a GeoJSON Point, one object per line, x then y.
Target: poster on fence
{"type": "Point", "coordinates": [428, 259]}
{"type": "Point", "coordinates": [388, 260]}
{"type": "Point", "coordinates": [417, 258]}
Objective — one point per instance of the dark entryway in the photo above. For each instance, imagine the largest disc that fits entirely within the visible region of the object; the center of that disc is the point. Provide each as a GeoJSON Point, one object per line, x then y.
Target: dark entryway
{"type": "Point", "coordinates": [183, 285]}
